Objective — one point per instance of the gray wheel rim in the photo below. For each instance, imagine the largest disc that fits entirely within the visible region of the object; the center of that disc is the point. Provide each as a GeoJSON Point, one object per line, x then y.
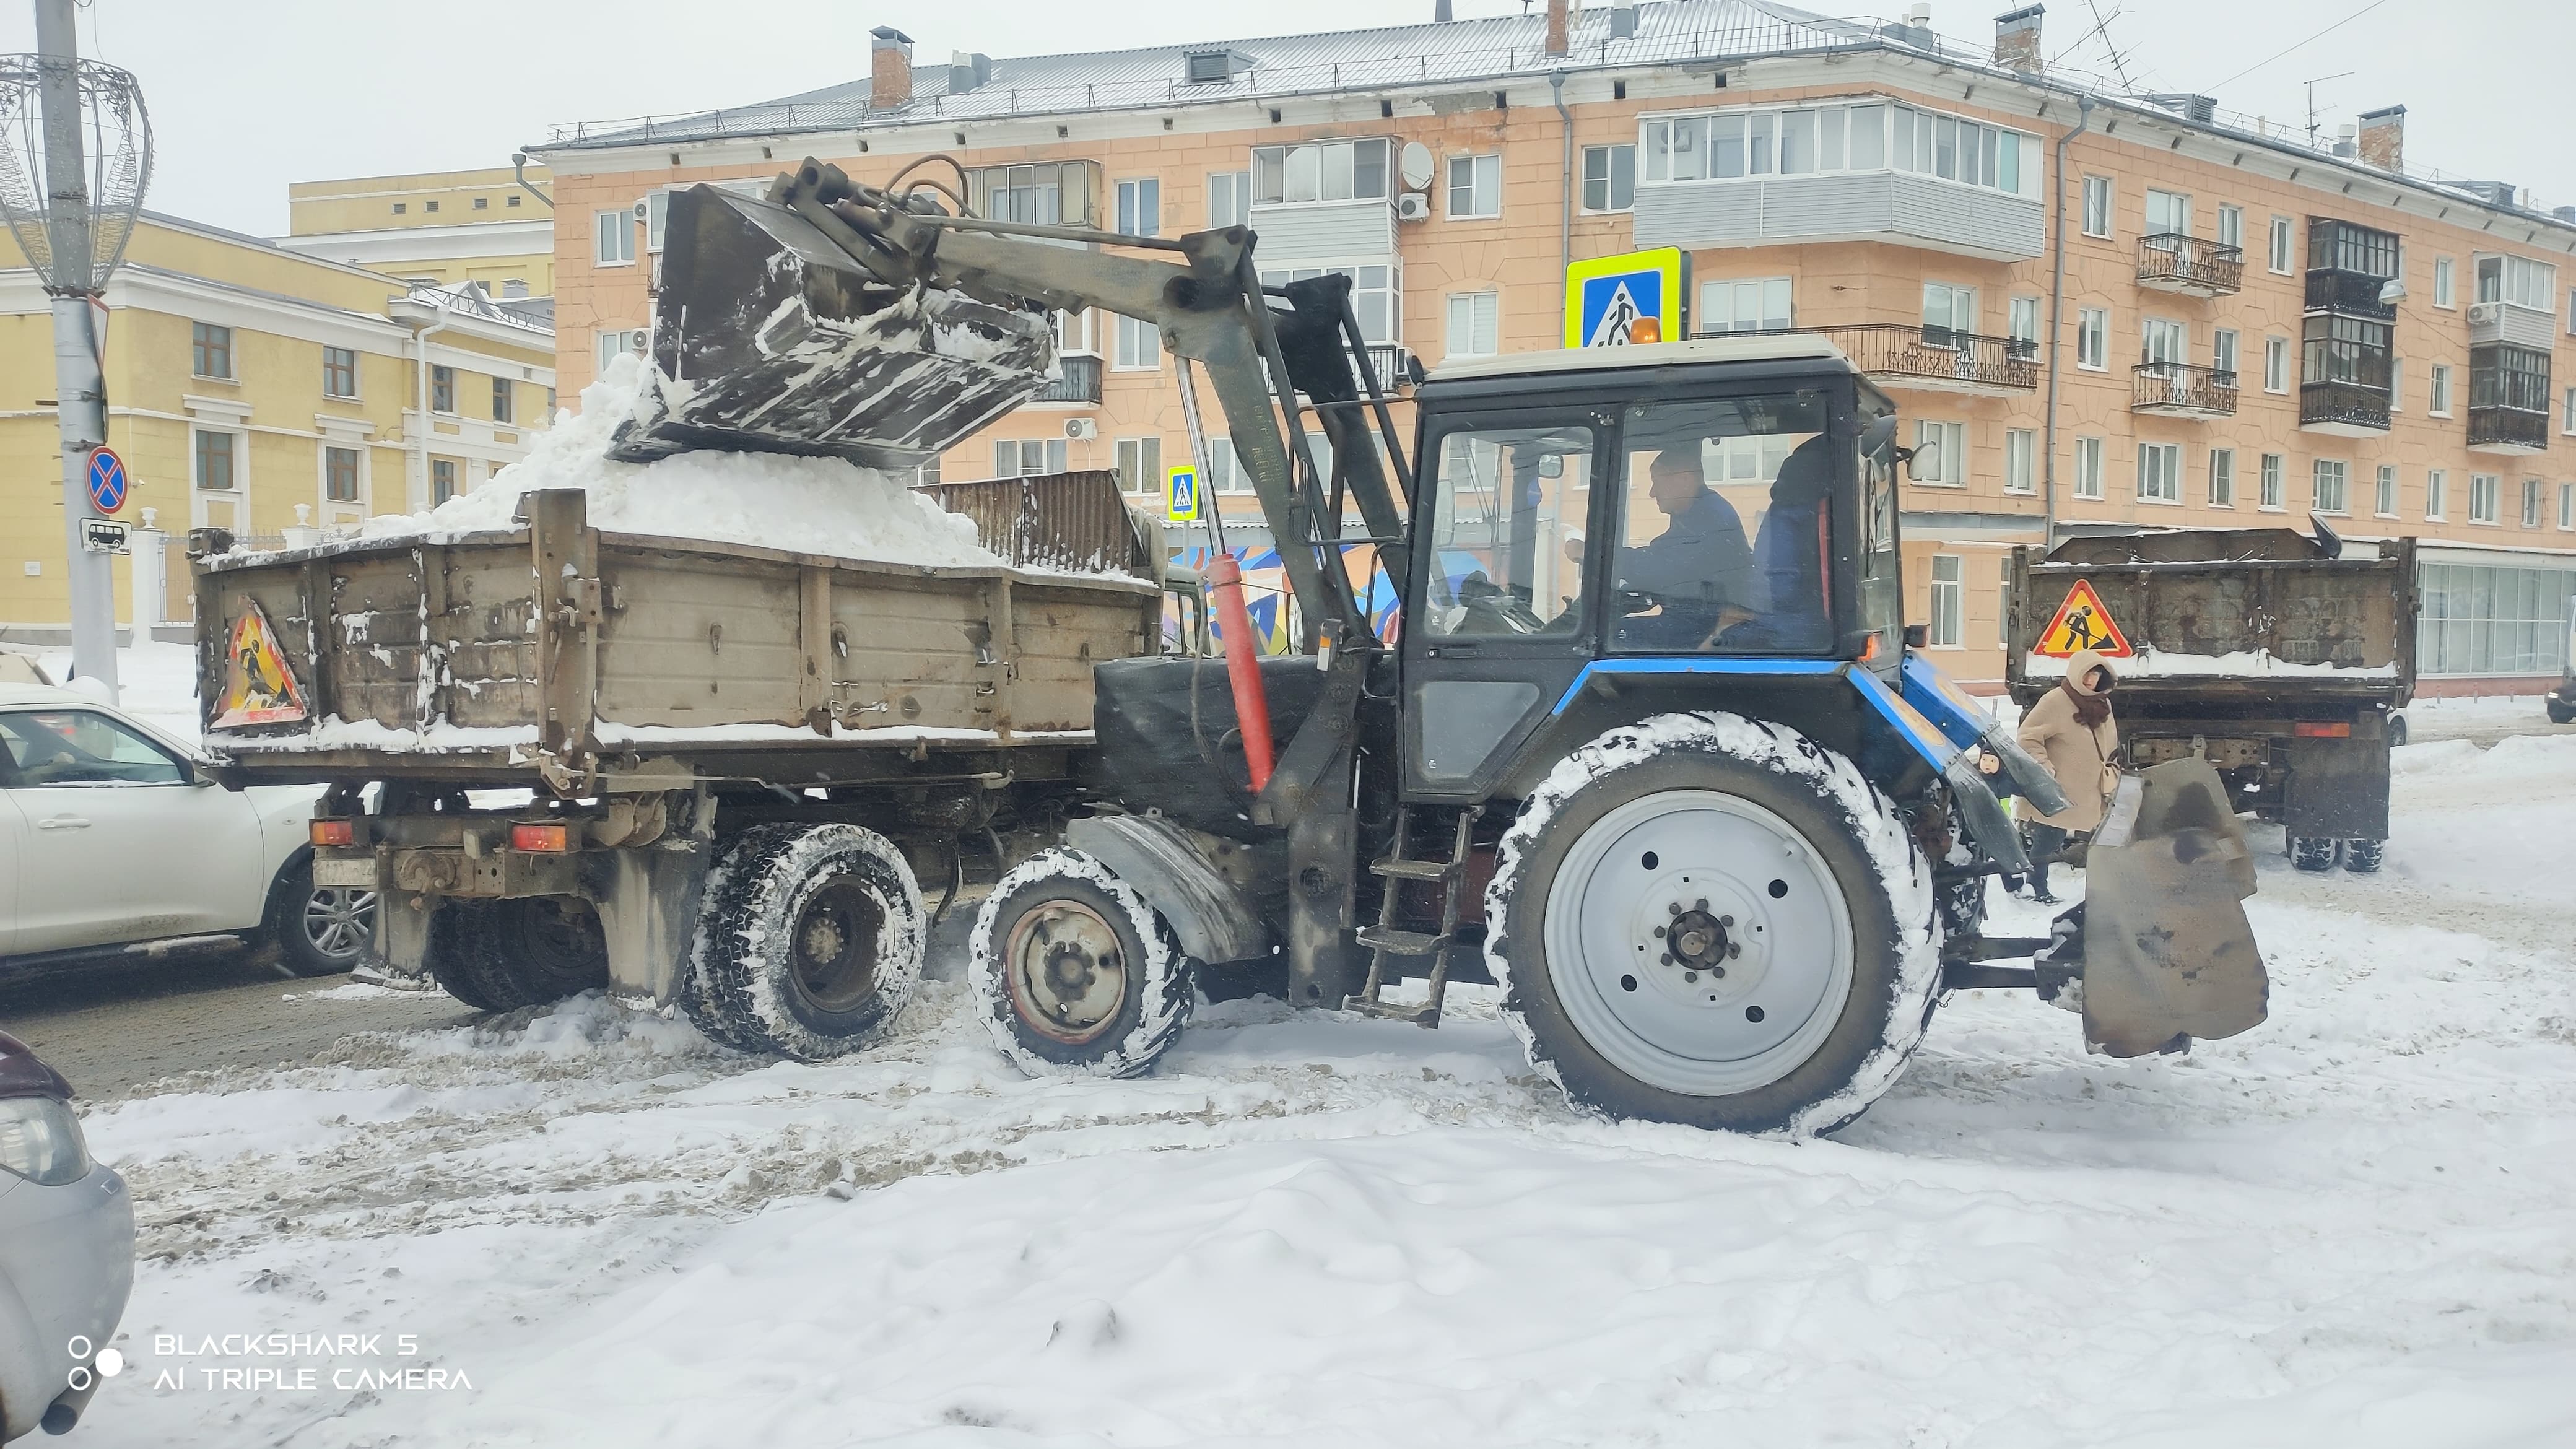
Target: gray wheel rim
{"type": "Point", "coordinates": [1698, 942]}
{"type": "Point", "coordinates": [1066, 972]}
{"type": "Point", "coordinates": [339, 921]}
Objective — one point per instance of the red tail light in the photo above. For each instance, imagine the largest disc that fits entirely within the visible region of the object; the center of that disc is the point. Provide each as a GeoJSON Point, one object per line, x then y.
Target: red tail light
{"type": "Point", "coordinates": [554, 838]}
{"type": "Point", "coordinates": [2317, 731]}
{"type": "Point", "coordinates": [334, 832]}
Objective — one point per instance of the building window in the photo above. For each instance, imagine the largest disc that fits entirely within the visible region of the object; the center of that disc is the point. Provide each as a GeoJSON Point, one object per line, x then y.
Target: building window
{"type": "Point", "coordinates": [2276, 364]}
{"type": "Point", "coordinates": [2531, 503]}
{"type": "Point", "coordinates": [2484, 500]}
{"type": "Point", "coordinates": [1139, 348]}
{"type": "Point", "coordinates": [2222, 477]}
{"type": "Point", "coordinates": [400, 207]}
{"type": "Point", "coordinates": [442, 480]}
{"type": "Point", "coordinates": [340, 475]}
{"type": "Point", "coordinates": [2352, 350]}
{"type": "Point", "coordinates": [2222, 355]}
{"type": "Point", "coordinates": [1229, 198]}
{"type": "Point", "coordinates": [1320, 171]}
{"type": "Point", "coordinates": [1748, 304]}
{"type": "Point", "coordinates": [2436, 483]}
{"type": "Point", "coordinates": [2021, 325]}
{"type": "Point", "coordinates": [2021, 453]}
{"type": "Point", "coordinates": [2518, 281]}
{"type": "Point", "coordinates": [2271, 483]}
{"type": "Point", "coordinates": [429, 206]}
{"type": "Point", "coordinates": [2437, 395]}
{"type": "Point", "coordinates": [1225, 471]}
{"type": "Point", "coordinates": [214, 461]}
{"type": "Point", "coordinates": [2159, 472]}
{"type": "Point", "coordinates": [2168, 213]}
{"type": "Point", "coordinates": [1475, 324]}
{"type": "Point", "coordinates": [513, 201]}
{"type": "Point", "coordinates": [2490, 619]}
{"type": "Point", "coordinates": [210, 350]}
{"type": "Point", "coordinates": [1609, 178]}
{"type": "Point", "coordinates": [339, 372]}
{"type": "Point", "coordinates": [1055, 194]}
{"type": "Point", "coordinates": [2445, 283]}
{"type": "Point", "coordinates": [2567, 413]}
{"type": "Point", "coordinates": [1377, 295]}
{"type": "Point", "coordinates": [1140, 464]}
{"type": "Point", "coordinates": [1073, 333]}
{"type": "Point", "coordinates": [442, 389]}
{"type": "Point", "coordinates": [2567, 506]}
{"type": "Point", "coordinates": [1475, 186]}
{"type": "Point", "coordinates": [614, 344]}
{"type": "Point", "coordinates": [2280, 256]}
{"type": "Point", "coordinates": [1949, 442]}
{"type": "Point", "coordinates": [2097, 206]}
{"type": "Point", "coordinates": [1949, 314]}
{"type": "Point", "coordinates": [613, 238]}
{"type": "Point", "coordinates": [2326, 491]}
{"type": "Point", "coordinates": [2092, 338]}
{"type": "Point", "coordinates": [2231, 227]}
{"type": "Point", "coordinates": [1822, 140]}
{"type": "Point", "coordinates": [2088, 467]}
{"type": "Point", "coordinates": [657, 219]}
{"type": "Point", "coordinates": [1140, 206]}
{"type": "Point", "coordinates": [501, 400]}
{"type": "Point", "coordinates": [1948, 603]}
{"type": "Point", "coordinates": [2003, 605]}
{"type": "Point", "coordinates": [2386, 504]}
{"type": "Point", "coordinates": [1028, 457]}
{"type": "Point", "coordinates": [2397, 384]}
{"type": "Point", "coordinates": [482, 203]}
{"type": "Point", "coordinates": [2163, 342]}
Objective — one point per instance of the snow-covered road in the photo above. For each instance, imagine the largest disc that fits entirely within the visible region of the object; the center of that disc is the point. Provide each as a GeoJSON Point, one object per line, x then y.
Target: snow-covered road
{"type": "Point", "coordinates": [2353, 1226]}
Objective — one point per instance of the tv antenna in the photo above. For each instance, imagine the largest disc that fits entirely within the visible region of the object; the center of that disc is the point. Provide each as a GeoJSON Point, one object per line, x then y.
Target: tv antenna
{"type": "Point", "coordinates": [2312, 100]}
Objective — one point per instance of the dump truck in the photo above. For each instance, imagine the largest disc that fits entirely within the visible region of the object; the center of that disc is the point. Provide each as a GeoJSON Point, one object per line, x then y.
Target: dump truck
{"type": "Point", "coordinates": [1646, 747]}
{"type": "Point", "coordinates": [2278, 657]}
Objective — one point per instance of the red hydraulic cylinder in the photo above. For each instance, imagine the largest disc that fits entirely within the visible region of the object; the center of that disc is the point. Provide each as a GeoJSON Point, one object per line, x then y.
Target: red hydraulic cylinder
{"type": "Point", "coordinates": [1224, 578]}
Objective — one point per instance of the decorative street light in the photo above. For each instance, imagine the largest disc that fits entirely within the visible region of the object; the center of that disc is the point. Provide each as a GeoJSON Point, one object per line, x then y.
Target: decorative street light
{"type": "Point", "coordinates": [76, 159]}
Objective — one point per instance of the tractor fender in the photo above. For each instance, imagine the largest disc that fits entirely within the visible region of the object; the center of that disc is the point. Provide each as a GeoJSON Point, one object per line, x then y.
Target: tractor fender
{"type": "Point", "coordinates": [1970, 796]}
{"type": "Point", "coordinates": [1170, 868]}
{"type": "Point", "coordinates": [1968, 724]}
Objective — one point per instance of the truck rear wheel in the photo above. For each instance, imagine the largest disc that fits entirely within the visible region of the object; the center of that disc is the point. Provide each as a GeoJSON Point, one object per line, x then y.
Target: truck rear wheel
{"type": "Point", "coordinates": [1708, 920]}
{"type": "Point", "coordinates": [1078, 975]}
{"type": "Point", "coordinates": [2361, 857]}
{"type": "Point", "coordinates": [502, 955]}
{"type": "Point", "coordinates": [455, 961]}
{"type": "Point", "coordinates": [2313, 852]}
{"type": "Point", "coordinates": [809, 942]}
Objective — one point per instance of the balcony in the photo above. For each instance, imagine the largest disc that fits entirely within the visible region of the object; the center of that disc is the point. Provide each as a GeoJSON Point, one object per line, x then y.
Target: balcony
{"type": "Point", "coordinates": [1934, 359]}
{"type": "Point", "coordinates": [1078, 387]}
{"type": "Point", "coordinates": [2181, 390]}
{"type": "Point", "coordinates": [2512, 324]}
{"type": "Point", "coordinates": [2512, 432]}
{"type": "Point", "coordinates": [2171, 262]}
{"type": "Point", "coordinates": [2343, 409]}
{"type": "Point", "coordinates": [2353, 294]}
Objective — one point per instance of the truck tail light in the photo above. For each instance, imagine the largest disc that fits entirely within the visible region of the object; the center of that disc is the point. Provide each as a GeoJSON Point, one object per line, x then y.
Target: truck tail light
{"type": "Point", "coordinates": [554, 838]}
{"type": "Point", "coordinates": [2315, 731]}
{"type": "Point", "coordinates": [334, 832]}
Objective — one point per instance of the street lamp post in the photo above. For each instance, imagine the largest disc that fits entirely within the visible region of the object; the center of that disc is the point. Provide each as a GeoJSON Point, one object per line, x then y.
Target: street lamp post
{"type": "Point", "coordinates": [71, 183]}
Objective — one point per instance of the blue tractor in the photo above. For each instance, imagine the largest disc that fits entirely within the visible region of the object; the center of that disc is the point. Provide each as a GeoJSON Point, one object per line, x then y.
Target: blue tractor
{"type": "Point", "coordinates": [1653, 748]}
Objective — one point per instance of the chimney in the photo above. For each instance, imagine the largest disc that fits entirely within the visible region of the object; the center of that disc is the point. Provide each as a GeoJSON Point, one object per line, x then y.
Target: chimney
{"type": "Point", "coordinates": [1440, 13]}
{"type": "Point", "coordinates": [2383, 138]}
{"type": "Point", "coordinates": [1559, 24]}
{"type": "Point", "coordinates": [2017, 39]}
{"type": "Point", "coordinates": [2346, 144]}
{"type": "Point", "coordinates": [889, 69]}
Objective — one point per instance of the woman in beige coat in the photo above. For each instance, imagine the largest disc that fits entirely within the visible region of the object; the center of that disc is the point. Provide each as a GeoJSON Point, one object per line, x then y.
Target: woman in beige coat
{"type": "Point", "coordinates": [2070, 730]}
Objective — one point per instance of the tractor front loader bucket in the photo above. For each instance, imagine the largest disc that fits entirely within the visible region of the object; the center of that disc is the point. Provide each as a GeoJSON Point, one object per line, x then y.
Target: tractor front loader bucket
{"type": "Point", "coordinates": [2168, 953]}
{"type": "Point", "coordinates": [770, 337]}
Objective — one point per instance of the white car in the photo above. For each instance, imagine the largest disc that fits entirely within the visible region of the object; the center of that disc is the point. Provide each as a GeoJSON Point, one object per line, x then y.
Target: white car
{"type": "Point", "coordinates": [114, 837]}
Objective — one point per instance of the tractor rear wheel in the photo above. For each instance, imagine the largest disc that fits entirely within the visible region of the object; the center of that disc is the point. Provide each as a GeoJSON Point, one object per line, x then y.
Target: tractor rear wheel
{"type": "Point", "coordinates": [1078, 975]}
{"type": "Point", "coordinates": [1710, 920]}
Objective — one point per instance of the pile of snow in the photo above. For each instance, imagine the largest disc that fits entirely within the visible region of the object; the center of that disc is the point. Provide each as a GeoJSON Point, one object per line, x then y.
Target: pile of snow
{"type": "Point", "coordinates": [768, 500]}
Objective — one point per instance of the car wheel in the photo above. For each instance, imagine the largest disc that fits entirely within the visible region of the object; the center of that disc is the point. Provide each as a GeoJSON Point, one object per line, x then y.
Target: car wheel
{"type": "Point", "coordinates": [320, 930]}
{"type": "Point", "coordinates": [2397, 731]}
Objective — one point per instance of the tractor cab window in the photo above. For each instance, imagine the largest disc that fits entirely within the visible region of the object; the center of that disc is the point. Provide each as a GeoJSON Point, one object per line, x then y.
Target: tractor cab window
{"type": "Point", "coordinates": [1724, 527]}
{"type": "Point", "coordinates": [1882, 586]}
{"type": "Point", "coordinates": [1506, 530]}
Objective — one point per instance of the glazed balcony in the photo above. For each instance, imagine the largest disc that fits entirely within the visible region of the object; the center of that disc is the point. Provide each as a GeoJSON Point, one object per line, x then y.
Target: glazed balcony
{"type": "Point", "coordinates": [2181, 390]}
{"type": "Point", "coordinates": [2171, 262]}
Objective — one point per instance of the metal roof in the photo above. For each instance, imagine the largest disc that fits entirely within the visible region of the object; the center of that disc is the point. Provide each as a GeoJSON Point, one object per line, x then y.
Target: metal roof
{"type": "Point", "coordinates": [1666, 31]}
{"type": "Point", "coordinates": [1751, 347]}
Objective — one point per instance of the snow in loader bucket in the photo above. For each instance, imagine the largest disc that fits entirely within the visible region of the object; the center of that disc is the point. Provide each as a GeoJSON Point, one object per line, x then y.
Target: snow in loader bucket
{"type": "Point", "coordinates": [770, 338]}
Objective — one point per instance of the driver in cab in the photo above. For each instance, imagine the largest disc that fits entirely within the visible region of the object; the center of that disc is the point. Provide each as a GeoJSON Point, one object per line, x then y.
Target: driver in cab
{"type": "Point", "coordinates": [1699, 570]}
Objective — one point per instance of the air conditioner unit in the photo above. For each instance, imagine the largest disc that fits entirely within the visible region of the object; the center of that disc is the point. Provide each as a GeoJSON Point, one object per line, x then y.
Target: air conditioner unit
{"type": "Point", "coordinates": [2485, 314]}
{"type": "Point", "coordinates": [644, 209]}
{"type": "Point", "coordinates": [1413, 206]}
{"type": "Point", "coordinates": [1082, 430]}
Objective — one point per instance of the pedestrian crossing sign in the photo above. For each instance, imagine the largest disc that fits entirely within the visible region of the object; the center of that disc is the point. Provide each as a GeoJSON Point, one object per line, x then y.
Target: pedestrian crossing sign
{"type": "Point", "coordinates": [2082, 623]}
{"type": "Point", "coordinates": [1181, 496]}
{"type": "Point", "coordinates": [1608, 298]}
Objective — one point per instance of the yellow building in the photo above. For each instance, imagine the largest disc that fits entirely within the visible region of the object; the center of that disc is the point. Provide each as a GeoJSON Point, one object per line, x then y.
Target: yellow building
{"type": "Point", "coordinates": [446, 227]}
{"type": "Point", "coordinates": [256, 389]}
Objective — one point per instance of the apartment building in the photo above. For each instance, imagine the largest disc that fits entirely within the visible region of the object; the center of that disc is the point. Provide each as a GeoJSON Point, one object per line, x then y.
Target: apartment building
{"type": "Point", "coordinates": [441, 228]}
{"type": "Point", "coordinates": [2108, 311]}
{"type": "Point", "coordinates": [259, 390]}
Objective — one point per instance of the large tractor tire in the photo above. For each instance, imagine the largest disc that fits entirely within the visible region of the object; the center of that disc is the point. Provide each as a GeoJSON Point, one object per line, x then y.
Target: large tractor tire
{"type": "Point", "coordinates": [810, 940]}
{"type": "Point", "coordinates": [1714, 921]}
{"type": "Point", "coordinates": [1078, 975]}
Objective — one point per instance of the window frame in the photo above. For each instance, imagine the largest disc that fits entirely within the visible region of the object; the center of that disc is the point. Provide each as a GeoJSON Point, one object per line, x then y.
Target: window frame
{"type": "Point", "coordinates": [2533, 506]}
{"type": "Point", "coordinates": [505, 401]}
{"type": "Point", "coordinates": [2093, 335]}
{"type": "Point", "coordinates": [2088, 483]}
{"type": "Point", "coordinates": [2222, 478]}
{"type": "Point", "coordinates": [2231, 227]}
{"type": "Point", "coordinates": [2490, 488]}
{"type": "Point", "coordinates": [2021, 461]}
{"type": "Point", "coordinates": [2318, 471]}
{"type": "Point", "coordinates": [605, 252]}
{"type": "Point", "coordinates": [442, 389]}
{"type": "Point", "coordinates": [1952, 435]}
{"type": "Point", "coordinates": [1273, 162]}
{"type": "Point", "coordinates": [2384, 498]}
{"type": "Point", "coordinates": [1608, 154]}
{"type": "Point", "coordinates": [339, 363]}
{"type": "Point", "coordinates": [1236, 210]}
{"type": "Point", "coordinates": [199, 454]}
{"type": "Point", "coordinates": [2281, 254]}
{"type": "Point", "coordinates": [1708, 312]}
{"type": "Point", "coordinates": [1131, 196]}
{"type": "Point", "coordinates": [2168, 468]}
{"type": "Point", "coordinates": [2437, 390]}
{"type": "Point", "coordinates": [2437, 483]}
{"type": "Point", "coordinates": [333, 456]}
{"type": "Point", "coordinates": [1491, 300]}
{"type": "Point", "coordinates": [1873, 135]}
{"type": "Point", "coordinates": [2272, 483]}
{"type": "Point", "coordinates": [2107, 209]}
{"type": "Point", "coordinates": [1136, 346]}
{"type": "Point", "coordinates": [1121, 449]}
{"type": "Point", "coordinates": [211, 343]}
{"type": "Point", "coordinates": [1482, 167]}
{"type": "Point", "coordinates": [454, 480]}
{"type": "Point", "coordinates": [2446, 284]}
{"type": "Point", "coordinates": [2276, 363]}
{"type": "Point", "coordinates": [1957, 612]}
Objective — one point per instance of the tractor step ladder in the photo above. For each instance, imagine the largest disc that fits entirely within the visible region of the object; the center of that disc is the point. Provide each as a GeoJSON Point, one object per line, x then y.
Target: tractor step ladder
{"type": "Point", "coordinates": [1386, 941]}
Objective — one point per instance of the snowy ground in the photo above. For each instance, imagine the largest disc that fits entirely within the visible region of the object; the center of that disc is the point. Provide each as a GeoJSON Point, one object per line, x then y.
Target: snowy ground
{"type": "Point", "coordinates": [2354, 1226]}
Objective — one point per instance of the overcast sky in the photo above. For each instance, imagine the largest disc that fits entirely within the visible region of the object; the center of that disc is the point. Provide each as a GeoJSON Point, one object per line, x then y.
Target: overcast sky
{"type": "Point", "coordinates": [248, 95]}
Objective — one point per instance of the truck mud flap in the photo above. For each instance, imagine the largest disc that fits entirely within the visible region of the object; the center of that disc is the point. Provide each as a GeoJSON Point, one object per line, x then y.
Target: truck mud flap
{"type": "Point", "coordinates": [2168, 952]}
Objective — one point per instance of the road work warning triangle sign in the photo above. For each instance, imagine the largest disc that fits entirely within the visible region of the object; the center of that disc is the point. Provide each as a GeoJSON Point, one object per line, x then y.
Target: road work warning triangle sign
{"type": "Point", "coordinates": [259, 687]}
{"type": "Point", "coordinates": [2082, 623]}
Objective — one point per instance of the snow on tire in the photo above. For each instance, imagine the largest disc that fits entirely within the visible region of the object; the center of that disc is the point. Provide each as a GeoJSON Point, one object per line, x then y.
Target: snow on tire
{"type": "Point", "coordinates": [809, 942]}
{"type": "Point", "coordinates": [1078, 975]}
{"type": "Point", "coordinates": [1715, 921]}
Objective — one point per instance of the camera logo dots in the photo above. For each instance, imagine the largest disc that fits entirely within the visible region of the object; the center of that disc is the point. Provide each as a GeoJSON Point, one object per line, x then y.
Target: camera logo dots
{"type": "Point", "coordinates": [88, 1369]}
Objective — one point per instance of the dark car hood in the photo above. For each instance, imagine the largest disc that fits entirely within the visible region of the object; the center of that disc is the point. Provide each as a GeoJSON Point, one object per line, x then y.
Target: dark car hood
{"type": "Point", "coordinates": [21, 1075]}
